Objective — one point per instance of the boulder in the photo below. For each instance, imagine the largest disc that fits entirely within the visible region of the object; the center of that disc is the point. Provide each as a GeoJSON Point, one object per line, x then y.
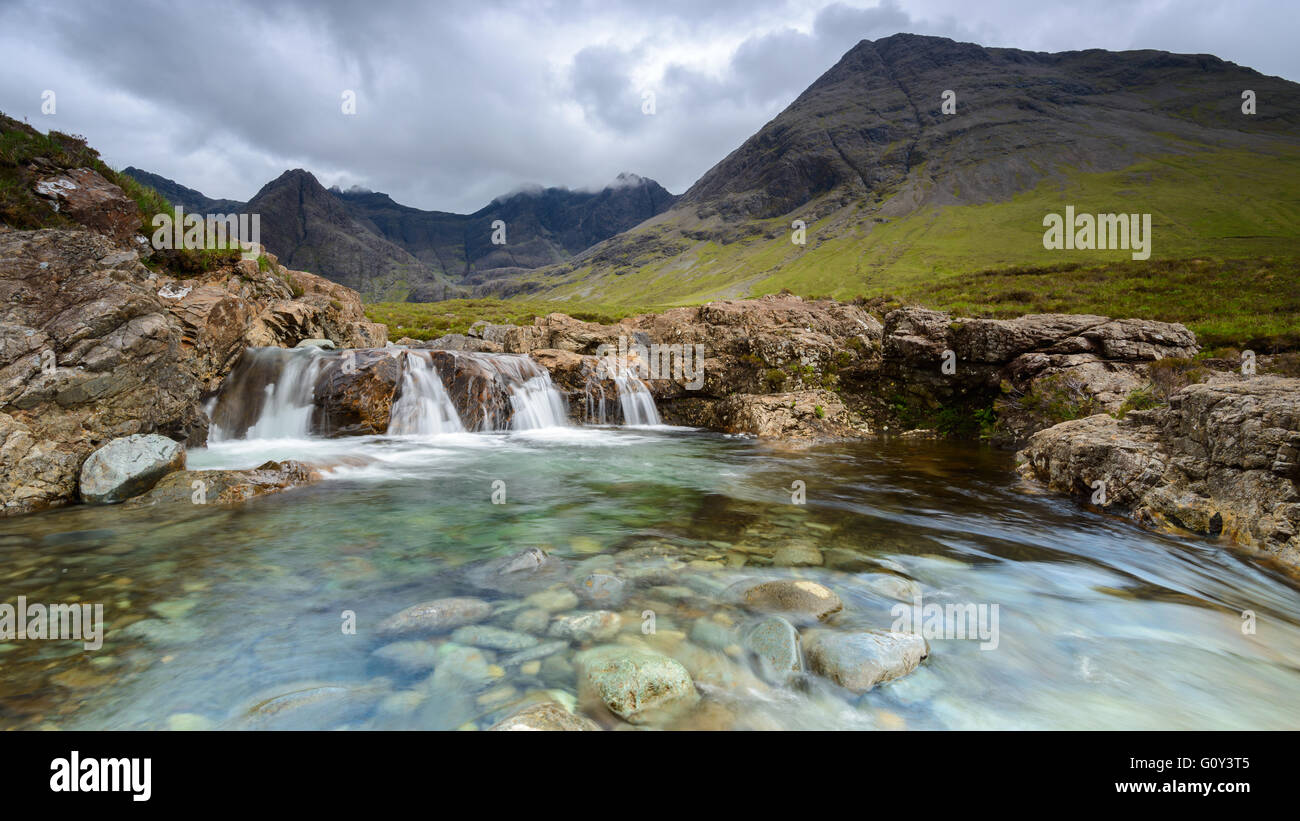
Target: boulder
{"type": "Point", "coordinates": [860, 661]}
{"type": "Point", "coordinates": [88, 198]}
{"type": "Point", "coordinates": [354, 395]}
{"type": "Point", "coordinates": [774, 644]}
{"type": "Point", "coordinates": [800, 598]}
{"type": "Point", "coordinates": [437, 616]}
{"type": "Point", "coordinates": [637, 685]}
{"type": "Point", "coordinates": [129, 466]}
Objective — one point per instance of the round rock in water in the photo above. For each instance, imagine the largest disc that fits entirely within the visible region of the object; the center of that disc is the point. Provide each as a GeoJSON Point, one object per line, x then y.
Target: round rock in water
{"type": "Point", "coordinates": [601, 590]}
{"type": "Point", "coordinates": [639, 686]}
{"type": "Point", "coordinates": [775, 645]}
{"type": "Point", "coordinates": [438, 616]}
{"type": "Point", "coordinates": [129, 466]}
{"type": "Point", "coordinates": [546, 715]}
{"type": "Point", "coordinates": [860, 661]}
{"type": "Point", "coordinates": [799, 598]}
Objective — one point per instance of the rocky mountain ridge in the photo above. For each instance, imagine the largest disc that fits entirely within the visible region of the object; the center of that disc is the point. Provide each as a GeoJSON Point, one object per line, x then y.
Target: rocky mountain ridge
{"type": "Point", "coordinates": [389, 251]}
{"type": "Point", "coordinates": [882, 171]}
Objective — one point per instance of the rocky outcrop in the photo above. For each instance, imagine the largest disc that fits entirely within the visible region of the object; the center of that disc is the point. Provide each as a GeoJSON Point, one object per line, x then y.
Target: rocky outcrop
{"type": "Point", "coordinates": [260, 303]}
{"type": "Point", "coordinates": [818, 414]}
{"type": "Point", "coordinates": [762, 353]}
{"type": "Point", "coordinates": [1222, 459]}
{"type": "Point", "coordinates": [91, 200]}
{"type": "Point", "coordinates": [1031, 367]}
{"type": "Point", "coordinates": [88, 352]}
{"type": "Point", "coordinates": [94, 345]}
{"type": "Point", "coordinates": [783, 367]}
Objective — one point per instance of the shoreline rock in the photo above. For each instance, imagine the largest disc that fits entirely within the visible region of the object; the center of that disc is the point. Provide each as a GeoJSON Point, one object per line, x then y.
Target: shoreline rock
{"type": "Point", "coordinates": [1222, 459]}
{"type": "Point", "coordinates": [128, 467]}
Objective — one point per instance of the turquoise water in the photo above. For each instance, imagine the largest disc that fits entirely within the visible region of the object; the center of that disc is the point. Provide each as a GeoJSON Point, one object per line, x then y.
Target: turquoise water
{"type": "Point", "coordinates": [213, 611]}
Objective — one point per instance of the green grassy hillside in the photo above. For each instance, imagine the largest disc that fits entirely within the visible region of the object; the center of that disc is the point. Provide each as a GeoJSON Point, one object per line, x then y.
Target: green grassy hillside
{"type": "Point", "coordinates": [1215, 205]}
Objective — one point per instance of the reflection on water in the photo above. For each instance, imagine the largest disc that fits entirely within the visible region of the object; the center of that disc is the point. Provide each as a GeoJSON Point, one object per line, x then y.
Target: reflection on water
{"type": "Point", "coordinates": [212, 611]}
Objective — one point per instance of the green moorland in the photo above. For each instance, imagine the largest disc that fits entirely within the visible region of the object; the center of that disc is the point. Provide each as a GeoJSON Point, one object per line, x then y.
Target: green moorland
{"type": "Point", "coordinates": [1228, 303]}
{"type": "Point", "coordinates": [1231, 303]}
{"type": "Point", "coordinates": [1225, 258]}
{"type": "Point", "coordinates": [429, 320]}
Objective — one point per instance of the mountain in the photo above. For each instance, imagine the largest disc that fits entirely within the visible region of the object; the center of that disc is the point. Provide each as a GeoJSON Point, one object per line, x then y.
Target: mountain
{"type": "Point", "coordinates": [310, 229]}
{"type": "Point", "coordinates": [187, 198]}
{"type": "Point", "coordinates": [543, 226]}
{"type": "Point", "coordinates": [389, 251]}
{"type": "Point", "coordinates": [896, 193]}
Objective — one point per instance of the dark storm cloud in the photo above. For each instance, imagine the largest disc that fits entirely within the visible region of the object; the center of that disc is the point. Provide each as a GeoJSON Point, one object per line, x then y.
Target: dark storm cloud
{"type": "Point", "coordinates": [458, 102]}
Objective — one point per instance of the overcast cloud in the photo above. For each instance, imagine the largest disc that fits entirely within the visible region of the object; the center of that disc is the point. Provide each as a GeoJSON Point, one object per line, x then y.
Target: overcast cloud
{"type": "Point", "coordinates": [458, 102]}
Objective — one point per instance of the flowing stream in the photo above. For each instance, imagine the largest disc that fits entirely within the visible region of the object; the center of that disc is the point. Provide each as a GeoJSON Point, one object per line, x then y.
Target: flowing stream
{"type": "Point", "coordinates": [214, 612]}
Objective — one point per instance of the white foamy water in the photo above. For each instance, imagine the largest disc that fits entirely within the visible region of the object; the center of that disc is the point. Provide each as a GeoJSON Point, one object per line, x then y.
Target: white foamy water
{"type": "Point", "coordinates": [423, 407]}
{"type": "Point", "coordinates": [288, 402]}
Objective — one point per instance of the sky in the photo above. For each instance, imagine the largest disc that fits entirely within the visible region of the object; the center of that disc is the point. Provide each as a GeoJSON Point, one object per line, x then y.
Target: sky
{"type": "Point", "coordinates": [459, 102]}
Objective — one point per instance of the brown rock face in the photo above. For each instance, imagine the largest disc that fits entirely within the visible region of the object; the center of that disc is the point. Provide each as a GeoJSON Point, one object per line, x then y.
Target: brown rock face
{"type": "Point", "coordinates": [88, 353]}
{"type": "Point", "coordinates": [1222, 459]}
{"type": "Point", "coordinates": [354, 396]}
{"type": "Point", "coordinates": [1091, 361]}
{"type": "Point", "coordinates": [95, 346]}
{"type": "Point", "coordinates": [93, 201]}
{"type": "Point", "coordinates": [801, 415]}
{"type": "Point", "coordinates": [243, 304]}
{"type": "Point", "coordinates": [694, 358]}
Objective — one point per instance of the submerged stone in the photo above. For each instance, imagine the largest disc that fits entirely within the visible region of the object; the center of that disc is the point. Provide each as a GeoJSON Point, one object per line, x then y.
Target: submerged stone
{"type": "Point", "coordinates": [638, 686]}
{"type": "Point", "coordinates": [495, 638]}
{"type": "Point", "coordinates": [437, 616]}
{"type": "Point", "coordinates": [596, 625]}
{"type": "Point", "coordinates": [774, 643]}
{"type": "Point", "coordinates": [860, 661]}
{"type": "Point", "coordinates": [546, 715]}
{"type": "Point", "coordinates": [796, 597]}
{"type": "Point", "coordinates": [409, 656]}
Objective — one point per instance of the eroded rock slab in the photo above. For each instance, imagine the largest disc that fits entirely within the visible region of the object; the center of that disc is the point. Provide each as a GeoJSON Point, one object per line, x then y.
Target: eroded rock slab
{"type": "Point", "coordinates": [1223, 459]}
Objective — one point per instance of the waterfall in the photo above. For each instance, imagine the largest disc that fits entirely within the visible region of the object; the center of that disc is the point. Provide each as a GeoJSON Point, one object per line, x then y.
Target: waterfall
{"type": "Point", "coordinates": [422, 406]}
{"type": "Point", "coordinates": [634, 398]}
{"type": "Point", "coordinates": [276, 393]}
{"type": "Point", "coordinates": [537, 404]}
{"type": "Point", "coordinates": [636, 405]}
{"type": "Point", "coordinates": [269, 395]}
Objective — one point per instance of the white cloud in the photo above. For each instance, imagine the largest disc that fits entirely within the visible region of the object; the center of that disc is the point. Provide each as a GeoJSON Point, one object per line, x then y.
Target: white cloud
{"type": "Point", "coordinates": [459, 102]}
